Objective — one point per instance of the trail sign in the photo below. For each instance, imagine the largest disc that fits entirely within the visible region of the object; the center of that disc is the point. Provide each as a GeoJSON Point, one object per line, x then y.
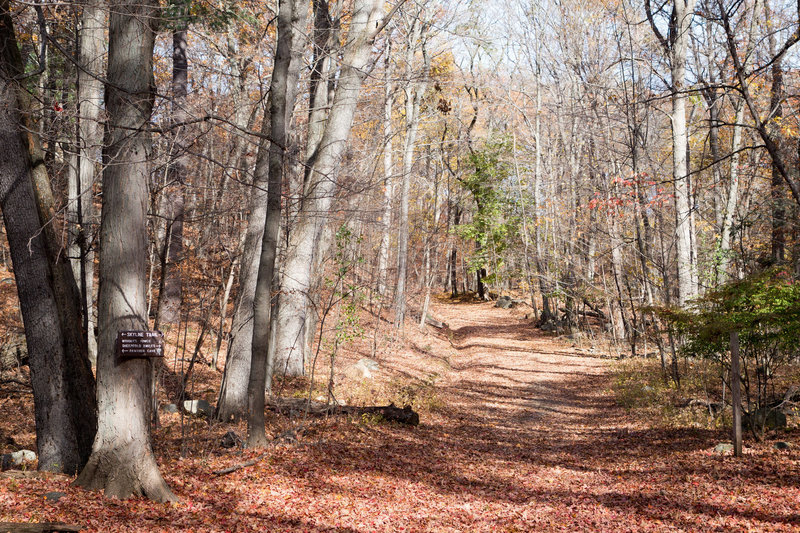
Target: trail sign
{"type": "Point", "coordinates": [132, 344]}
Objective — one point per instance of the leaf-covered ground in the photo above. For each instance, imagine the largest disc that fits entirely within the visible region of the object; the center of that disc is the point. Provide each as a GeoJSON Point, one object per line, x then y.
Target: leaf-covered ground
{"type": "Point", "coordinates": [521, 434]}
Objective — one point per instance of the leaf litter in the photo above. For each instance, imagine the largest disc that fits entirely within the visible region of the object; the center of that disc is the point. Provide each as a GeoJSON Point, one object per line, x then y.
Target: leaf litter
{"type": "Point", "coordinates": [525, 436]}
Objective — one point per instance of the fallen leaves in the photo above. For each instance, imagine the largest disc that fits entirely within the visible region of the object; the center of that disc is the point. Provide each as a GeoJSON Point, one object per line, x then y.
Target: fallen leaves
{"type": "Point", "coordinates": [528, 439]}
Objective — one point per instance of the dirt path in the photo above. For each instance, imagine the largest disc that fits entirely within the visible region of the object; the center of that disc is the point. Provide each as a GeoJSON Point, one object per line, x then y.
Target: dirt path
{"type": "Point", "coordinates": [567, 458]}
{"type": "Point", "coordinates": [525, 437]}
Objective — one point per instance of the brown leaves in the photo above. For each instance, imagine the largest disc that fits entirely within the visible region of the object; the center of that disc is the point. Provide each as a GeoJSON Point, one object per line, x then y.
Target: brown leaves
{"type": "Point", "coordinates": [527, 439]}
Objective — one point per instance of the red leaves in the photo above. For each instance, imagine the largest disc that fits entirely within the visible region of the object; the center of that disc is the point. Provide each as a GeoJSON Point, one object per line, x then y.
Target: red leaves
{"type": "Point", "coordinates": [528, 439]}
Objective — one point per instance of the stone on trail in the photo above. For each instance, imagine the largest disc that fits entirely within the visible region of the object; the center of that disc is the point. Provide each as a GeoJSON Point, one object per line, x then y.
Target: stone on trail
{"type": "Point", "coordinates": [723, 447]}
{"type": "Point", "coordinates": [781, 445]}
{"type": "Point", "coordinates": [231, 440]}
{"type": "Point", "coordinates": [764, 417]}
{"type": "Point", "coordinates": [16, 459]}
{"type": "Point", "coordinates": [169, 408]}
{"type": "Point", "coordinates": [54, 496]}
{"type": "Point", "coordinates": [363, 369]}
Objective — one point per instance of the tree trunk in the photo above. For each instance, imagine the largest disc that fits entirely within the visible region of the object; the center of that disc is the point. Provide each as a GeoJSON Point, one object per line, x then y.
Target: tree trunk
{"type": "Point", "coordinates": [777, 188]}
{"type": "Point", "coordinates": [313, 214]}
{"type": "Point", "coordinates": [232, 403]}
{"type": "Point", "coordinates": [60, 373]}
{"type": "Point", "coordinates": [174, 194]}
{"type": "Point", "coordinates": [388, 187]}
{"type": "Point", "coordinates": [676, 45]}
{"type": "Point", "coordinates": [122, 461]}
{"type": "Point", "coordinates": [90, 139]}
{"type": "Point", "coordinates": [413, 93]}
{"type": "Point", "coordinates": [291, 26]}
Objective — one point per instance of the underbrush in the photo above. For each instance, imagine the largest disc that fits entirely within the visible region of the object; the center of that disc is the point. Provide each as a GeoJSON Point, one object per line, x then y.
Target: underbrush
{"type": "Point", "coordinates": [639, 385]}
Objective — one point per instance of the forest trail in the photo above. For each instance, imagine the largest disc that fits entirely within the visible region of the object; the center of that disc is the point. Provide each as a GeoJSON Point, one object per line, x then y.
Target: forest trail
{"type": "Point", "coordinates": [521, 434]}
{"type": "Point", "coordinates": [545, 432]}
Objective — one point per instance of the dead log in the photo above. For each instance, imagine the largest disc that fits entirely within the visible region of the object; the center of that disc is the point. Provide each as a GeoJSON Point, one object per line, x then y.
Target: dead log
{"type": "Point", "coordinates": [435, 323]}
{"type": "Point", "coordinates": [44, 527]}
{"type": "Point", "coordinates": [390, 413]}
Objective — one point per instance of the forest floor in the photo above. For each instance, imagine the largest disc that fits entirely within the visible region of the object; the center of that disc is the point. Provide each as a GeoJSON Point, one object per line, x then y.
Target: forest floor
{"type": "Point", "coordinates": [519, 432]}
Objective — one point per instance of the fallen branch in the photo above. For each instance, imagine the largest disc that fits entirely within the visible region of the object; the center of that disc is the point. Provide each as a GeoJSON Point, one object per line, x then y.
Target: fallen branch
{"type": "Point", "coordinates": [390, 413]}
{"type": "Point", "coordinates": [44, 527]}
{"type": "Point", "coordinates": [290, 435]}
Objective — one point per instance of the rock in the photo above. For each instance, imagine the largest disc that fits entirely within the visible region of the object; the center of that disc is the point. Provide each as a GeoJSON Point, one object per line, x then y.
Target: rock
{"type": "Point", "coordinates": [54, 496]}
{"type": "Point", "coordinates": [231, 440]}
{"type": "Point", "coordinates": [781, 445]}
{"type": "Point", "coordinates": [16, 459]}
{"type": "Point", "coordinates": [13, 353]}
{"type": "Point", "coordinates": [363, 369]}
{"type": "Point", "coordinates": [764, 417]}
{"type": "Point", "coordinates": [713, 408]}
{"type": "Point", "coordinates": [169, 408]}
{"type": "Point", "coordinates": [198, 407]}
{"type": "Point", "coordinates": [549, 326]}
{"type": "Point", "coordinates": [23, 456]}
{"type": "Point", "coordinates": [504, 302]}
{"type": "Point", "coordinates": [723, 447]}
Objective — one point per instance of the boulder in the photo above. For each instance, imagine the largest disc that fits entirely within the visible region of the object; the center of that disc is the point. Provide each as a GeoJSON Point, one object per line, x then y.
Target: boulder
{"type": "Point", "coordinates": [363, 369]}
{"type": "Point", "coordinates": [723, 447]}
{"type": "Point", "coordinates": [198, 407]}
{"type": "Point", "coordinates": [231, 440]}
{"type": "Point", "coordinates": [764, 417]}
{"type": "Point", "coordinates": [781, 446]}
{"type": "Point", "coordinates": [504, 302]}
{"type": "Point", "coordinates": [16, 459]}
{"type": "Point", "coordinates": [13, 353]}
{"type": "Point", "coordinates": [170, 408]}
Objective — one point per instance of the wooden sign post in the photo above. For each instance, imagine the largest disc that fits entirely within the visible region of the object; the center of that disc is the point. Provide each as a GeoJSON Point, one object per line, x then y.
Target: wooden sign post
{"type": "Point", "coordinates": [132, 344]}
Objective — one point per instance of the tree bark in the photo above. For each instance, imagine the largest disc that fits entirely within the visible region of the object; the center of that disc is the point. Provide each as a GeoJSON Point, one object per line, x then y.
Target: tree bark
{"type": "Point", "coordinates": [60, 372]}
{"type": "Point", "coordinates": [89, 142]}
{"type": "Point", "coordinates": [313, 214]}
{"type": "Point", "coordinates": [174, 194]}
{"type": "Point", "coordinates": [388, 186]}
{"type": "Point", "coordinates": [291, 26]}
{"type": "Point", "coordinates": [676, 45]}
{"type": "Point", "coordinates": [413, 94]}
{"type": "Point", "coordinates": [122, 461]}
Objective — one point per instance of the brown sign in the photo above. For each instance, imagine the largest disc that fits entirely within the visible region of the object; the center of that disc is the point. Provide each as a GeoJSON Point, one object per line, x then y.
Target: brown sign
{"type": "Point", "coordinates": [140, 344]}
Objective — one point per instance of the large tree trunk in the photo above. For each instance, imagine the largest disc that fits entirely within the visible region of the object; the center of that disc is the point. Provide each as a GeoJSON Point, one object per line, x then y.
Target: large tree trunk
{"type": "Point", "coordinates": [122, 461]}
{"type": "Point", "coordinates": [61, 376]}
{"type": "Point", "coordinates": [777, 188]}
{"type": "Point", "coordinates": [232, 404]}
{"type": "Point", "coordinates": [291, 26]}
{"type": "Point", "coordinates": [313, 215]}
